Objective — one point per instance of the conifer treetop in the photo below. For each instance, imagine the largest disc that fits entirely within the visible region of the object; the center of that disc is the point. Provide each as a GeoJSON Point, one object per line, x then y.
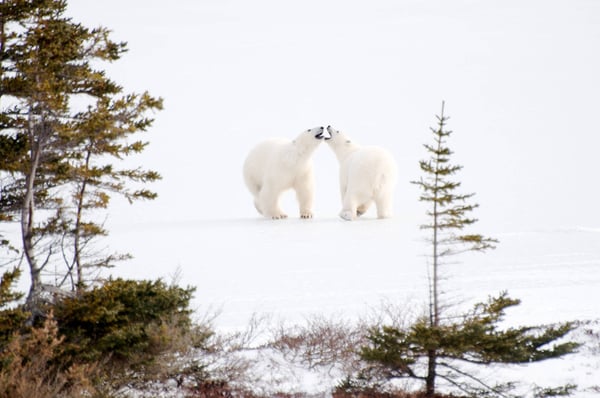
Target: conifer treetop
{"type": "Point", "coordinates": [450, 210]}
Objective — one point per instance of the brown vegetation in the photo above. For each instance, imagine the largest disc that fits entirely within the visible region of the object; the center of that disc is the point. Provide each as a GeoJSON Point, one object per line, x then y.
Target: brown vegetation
{"type": "Point", "coordinates": [30, 368]}
{"type": "Point", "coordinates": [377, 394]}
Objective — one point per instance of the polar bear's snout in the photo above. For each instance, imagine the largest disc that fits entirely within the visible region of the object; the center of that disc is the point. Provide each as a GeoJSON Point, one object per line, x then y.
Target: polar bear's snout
{"type": "Point", "coordinates": [318, 131]}
{"type": "Point", "coordinates": [330, 131]}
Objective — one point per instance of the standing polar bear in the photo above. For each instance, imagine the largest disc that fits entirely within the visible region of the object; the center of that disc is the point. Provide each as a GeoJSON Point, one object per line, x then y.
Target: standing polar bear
{"type": "Point", "coordinates": [367, 174]}
{"type": "Point", "coordinates": [276, 165]}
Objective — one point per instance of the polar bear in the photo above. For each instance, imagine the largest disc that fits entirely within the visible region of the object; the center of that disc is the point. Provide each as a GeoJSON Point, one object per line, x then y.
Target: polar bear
{"type": "Point", "coordinates": [367, 174]}
{"type": "Point", "coordinates": [276, 165]}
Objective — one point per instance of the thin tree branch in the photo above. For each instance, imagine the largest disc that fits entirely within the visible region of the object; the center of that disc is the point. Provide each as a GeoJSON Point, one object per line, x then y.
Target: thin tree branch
{"type": "Point", "coordinates": [475, 379]}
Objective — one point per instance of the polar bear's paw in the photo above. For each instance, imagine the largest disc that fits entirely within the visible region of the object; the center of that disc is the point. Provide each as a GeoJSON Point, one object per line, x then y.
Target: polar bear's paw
{"type": "Point", "coordinates": [280, 216]}
{"type": "Point", "coordinates": [347, 215]}
{"type": "Point", "coordinates": [306, 215]}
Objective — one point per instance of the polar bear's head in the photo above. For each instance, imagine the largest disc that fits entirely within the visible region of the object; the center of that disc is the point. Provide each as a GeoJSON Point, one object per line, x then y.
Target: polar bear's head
{"type": "Point", "coordinates": [340, 143]}
{"type": "Point", "coordinates": [310, 138]}
{"type": "Point", "coordinates": [336, 138]}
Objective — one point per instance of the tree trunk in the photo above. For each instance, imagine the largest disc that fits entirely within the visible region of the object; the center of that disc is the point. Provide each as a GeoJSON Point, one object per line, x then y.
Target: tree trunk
{"type": "Point", "coordinates": [78, 232]}
{"type": "Point", "coordinates": [27, 213]}
{"type": "Point", "coordinates": [431, 369]}
{"type": "Point", "coordinates": [434, 305]}
{"type": "Point", "coordinates": [37, 141]}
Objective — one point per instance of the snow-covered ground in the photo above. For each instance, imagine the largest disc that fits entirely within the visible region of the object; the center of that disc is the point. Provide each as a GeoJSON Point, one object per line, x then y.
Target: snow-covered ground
{"type": "Point", "coordinates": [294, 269]}
{"type": "Point", "coordinates": [298, 267]}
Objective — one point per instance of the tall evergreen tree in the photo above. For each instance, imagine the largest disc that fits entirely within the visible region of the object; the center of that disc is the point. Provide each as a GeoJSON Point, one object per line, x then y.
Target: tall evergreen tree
{"type": "Point", "coordinates": [439, 341]}
{"type": "Point", "coordinates": [47, 70]}
{"type": "Point", "coordinates": [449, 216]}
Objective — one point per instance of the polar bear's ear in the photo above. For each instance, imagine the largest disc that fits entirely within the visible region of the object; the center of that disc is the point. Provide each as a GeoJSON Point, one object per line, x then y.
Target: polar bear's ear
{"type": "Point", "coordinates": [347, 141]}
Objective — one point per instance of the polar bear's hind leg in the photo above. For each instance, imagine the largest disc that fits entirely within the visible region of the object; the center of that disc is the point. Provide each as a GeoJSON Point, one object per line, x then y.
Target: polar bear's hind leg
{"type": "Point", "coordinates": [384, 205]}
{"type": "Point", "coordinates": [362, 209]}
{"type": "Point", "coordinates": [257, 207]}
{"type": "Point", "coordinates": [268, 202]}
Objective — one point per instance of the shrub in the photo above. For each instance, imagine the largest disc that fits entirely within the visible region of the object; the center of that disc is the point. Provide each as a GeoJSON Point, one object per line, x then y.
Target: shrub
{"type": "Point", "coordinates": [356, 388]}
{"type": "Point", "coordinates": [126, 331]}
{"type": "Point", "coordinates": [31, 369]}
{"type": "Point", "coordinates": [129, 321]}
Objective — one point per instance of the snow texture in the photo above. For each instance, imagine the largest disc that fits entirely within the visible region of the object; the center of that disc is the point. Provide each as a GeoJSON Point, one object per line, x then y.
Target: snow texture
{"type": "Point", "coordinates": [293, 269]}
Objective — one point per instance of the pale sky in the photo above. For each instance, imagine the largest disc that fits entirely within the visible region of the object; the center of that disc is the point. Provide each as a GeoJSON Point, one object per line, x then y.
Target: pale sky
{"type": "Point", "coordinates": [520, 80]}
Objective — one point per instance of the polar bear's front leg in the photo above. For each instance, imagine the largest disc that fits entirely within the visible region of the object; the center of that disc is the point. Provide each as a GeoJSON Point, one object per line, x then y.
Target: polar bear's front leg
{"type": "Point", "coordinates": [268, 202]}
{"type": "Point", "coordinates": [305, 193]}
{"type": "Point", "coordinates": [348, 212]}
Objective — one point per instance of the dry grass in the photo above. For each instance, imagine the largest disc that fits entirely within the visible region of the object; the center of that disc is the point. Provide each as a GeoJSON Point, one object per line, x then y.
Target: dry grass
{"type": "Point", "coordinates": [321, 343]}
{"type": "Point", "coordinates": [376, 394]}
{"type": "Point", "coordinates": [30, 369]}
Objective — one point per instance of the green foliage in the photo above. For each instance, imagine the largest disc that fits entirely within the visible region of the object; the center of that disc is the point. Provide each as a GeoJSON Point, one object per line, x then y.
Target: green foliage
{"type": "Point", "coordinates": [117, 319]}
{"type": "Point", "coordinates": [474, 339]}
{"type": "Point", "coordinates": [11, 315]}
{"type": "Point", "coordinates": [449, 217]}
{"type": "Point", "coordinates": [62, 121]}
{"type": "Point", "coordinates": [97, 339]}
{"type": "Point", "coordinates": [7, 295]}
{"type": "Point", "coordinates": [362, 388]}
{"type": "Point", "coordinates": [12, 149]}
{"type": "Point", "coordinates": [448, 213]}
{"type": "Point", "coordinates": [449, 209]}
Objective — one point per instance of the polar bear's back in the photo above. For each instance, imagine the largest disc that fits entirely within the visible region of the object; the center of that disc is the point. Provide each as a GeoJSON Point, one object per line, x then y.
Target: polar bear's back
{"type": "Point", "coordinates": [372, 167]}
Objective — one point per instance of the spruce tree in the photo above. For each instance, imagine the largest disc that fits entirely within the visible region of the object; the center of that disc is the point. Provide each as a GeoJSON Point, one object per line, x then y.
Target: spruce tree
{"type": "Point", "coordinates": [449, 213]}
{"type": "Point", "coordinates": [48, 65]}
{"type": "Point", "coordinates": [438, 345]}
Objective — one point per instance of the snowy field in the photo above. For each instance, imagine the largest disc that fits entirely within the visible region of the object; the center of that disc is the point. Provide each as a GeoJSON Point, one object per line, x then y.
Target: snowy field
{"type": "Point", "coordinates": [294, 269]}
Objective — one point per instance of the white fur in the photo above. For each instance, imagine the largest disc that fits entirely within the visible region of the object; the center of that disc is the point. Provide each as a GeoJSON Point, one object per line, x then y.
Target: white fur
{"type": "Point", "coordinates": [276, 165]}
{"type": "Point", "coordinates": [367, 174]}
